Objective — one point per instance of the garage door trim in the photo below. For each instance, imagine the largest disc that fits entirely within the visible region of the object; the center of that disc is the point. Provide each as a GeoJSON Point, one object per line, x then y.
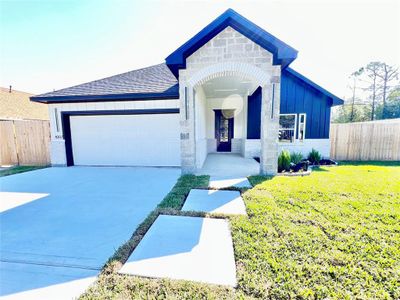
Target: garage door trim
{"type": "Point", "coordinates": [65, 119]}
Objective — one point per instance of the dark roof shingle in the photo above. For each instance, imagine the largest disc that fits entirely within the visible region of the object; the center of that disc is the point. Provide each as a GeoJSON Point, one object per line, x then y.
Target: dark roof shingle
{"type": "Point", "coordinates": [154, 81]}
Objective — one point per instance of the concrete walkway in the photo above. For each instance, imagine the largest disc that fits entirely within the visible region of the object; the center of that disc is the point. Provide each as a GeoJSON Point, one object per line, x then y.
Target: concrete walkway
{"type": "Point", "coordinates": [213, 201]}
{"type": "Point", "coordinates": [60, 225]}
{"type": "Point", "coordinates": [189, 248]}
{"type": "Point", "coordinates": [229, 165]}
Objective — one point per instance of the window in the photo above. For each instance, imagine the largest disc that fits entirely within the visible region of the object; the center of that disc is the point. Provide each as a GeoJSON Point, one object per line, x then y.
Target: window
{"type": "Point", "coordinates": [287, 128]}
{"type": "Point", "coordinates": [302, 127]}
{"type": "Point", "coordinates": [56, 119]}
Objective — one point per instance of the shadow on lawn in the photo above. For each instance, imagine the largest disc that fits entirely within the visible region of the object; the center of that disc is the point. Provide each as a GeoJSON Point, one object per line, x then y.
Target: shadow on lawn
{"type": "Point", "coordinates": [258, 179]}
{"type": "Point", "coordinates": [320, 169]}
{"type": "Point", "coordinates": [370, 163]}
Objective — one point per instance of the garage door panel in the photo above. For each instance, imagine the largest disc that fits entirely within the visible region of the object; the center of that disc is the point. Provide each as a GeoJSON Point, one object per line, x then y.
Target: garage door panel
{"type": "Point", "coordinates": [126, 140]}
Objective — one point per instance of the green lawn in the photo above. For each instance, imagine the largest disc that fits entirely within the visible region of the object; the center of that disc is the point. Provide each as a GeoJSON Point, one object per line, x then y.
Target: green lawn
{"type": "Point", "coordinates": [19, 169]}
{"type": "Point", "coordinates": [332, 235]}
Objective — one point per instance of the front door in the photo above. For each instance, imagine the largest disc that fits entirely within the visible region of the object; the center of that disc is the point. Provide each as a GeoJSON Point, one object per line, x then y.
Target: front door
{"type": "Point", "coordinates": [223, 130]}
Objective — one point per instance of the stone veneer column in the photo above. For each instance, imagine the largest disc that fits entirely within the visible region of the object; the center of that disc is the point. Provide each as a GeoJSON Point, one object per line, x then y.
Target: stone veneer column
{"type": "Point", "coordinates": [188, 146]}
{"type": "Point", "coordinates": [270, 127]}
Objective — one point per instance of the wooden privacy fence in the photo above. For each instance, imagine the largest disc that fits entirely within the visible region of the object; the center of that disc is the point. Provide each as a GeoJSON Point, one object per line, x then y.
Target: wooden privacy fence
{"type": "Point", "coordinates": [24, 142]}
{"type": "Point", "coordinates": [376, 140]}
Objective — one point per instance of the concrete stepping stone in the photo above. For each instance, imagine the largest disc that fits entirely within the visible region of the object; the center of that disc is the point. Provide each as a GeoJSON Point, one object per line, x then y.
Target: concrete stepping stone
{"type": "Point", "coordinates": [226, 182]}
{"type": "Point", "coordinates": [215, 201]}
{"type": "Point", "coordinates": [186, 248]}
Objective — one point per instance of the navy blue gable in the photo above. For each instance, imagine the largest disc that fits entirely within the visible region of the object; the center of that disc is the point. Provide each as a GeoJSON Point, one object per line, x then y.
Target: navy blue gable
{"type": "Point", "coordinates": [254, 115]}
{"type": "Point", "coordinates": [283, 54]}
{"type": "Point", "coordinates": [298, 96]}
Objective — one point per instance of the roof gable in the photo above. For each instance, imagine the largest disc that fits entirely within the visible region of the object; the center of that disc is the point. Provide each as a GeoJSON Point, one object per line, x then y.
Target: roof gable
{"type": "Point", "coordinates": [335, 100]}
{"type": "Point", "coordinates": [283, 54]}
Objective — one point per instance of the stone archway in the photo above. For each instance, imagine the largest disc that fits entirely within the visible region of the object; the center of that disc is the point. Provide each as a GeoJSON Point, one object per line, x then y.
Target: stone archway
{"type": "Point", "coordinates": [189, 81]}
{"type": "Point", "coordinates": [227, 69]}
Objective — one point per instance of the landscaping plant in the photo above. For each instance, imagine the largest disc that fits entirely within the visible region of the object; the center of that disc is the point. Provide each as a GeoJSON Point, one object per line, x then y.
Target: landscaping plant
{"type": "Point", "coordinates": [296, 157]}
{"type": "Point", "coordinates": [284, 161]}
{"type": "Point", "coordinates": [314, 157]}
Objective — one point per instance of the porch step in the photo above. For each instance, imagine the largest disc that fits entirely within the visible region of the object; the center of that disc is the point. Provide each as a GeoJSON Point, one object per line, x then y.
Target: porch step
{"type": "Point", "coordinates": [215, 201]}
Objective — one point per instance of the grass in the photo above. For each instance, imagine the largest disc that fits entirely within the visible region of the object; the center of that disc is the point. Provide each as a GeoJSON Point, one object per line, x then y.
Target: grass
{"type": "Point", "coordinates": [332, 235]}
{"type": "Point", "coordinates": [19, 169]}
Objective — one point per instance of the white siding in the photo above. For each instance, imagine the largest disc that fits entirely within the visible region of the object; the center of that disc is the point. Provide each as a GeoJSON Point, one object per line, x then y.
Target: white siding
{"type": "Point", "coordinates": [57, 140]}
{"type": "Point", "coordinates": [252, 147]}
{"type": "Point", "coordinates": [146, 140]}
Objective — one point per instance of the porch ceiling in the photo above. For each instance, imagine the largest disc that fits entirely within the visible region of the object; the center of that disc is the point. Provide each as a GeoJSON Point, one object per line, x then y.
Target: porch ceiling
{"type": "Point", "coordinates": [222, 87]}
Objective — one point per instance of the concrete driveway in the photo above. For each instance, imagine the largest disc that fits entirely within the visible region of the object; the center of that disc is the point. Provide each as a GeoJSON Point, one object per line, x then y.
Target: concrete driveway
{"type": "Point", "coordinates": [60, 225]}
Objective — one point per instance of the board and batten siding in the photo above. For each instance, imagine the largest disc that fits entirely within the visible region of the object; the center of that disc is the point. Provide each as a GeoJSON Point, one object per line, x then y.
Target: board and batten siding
{"type": "Point", "coordinates": [298, 97]}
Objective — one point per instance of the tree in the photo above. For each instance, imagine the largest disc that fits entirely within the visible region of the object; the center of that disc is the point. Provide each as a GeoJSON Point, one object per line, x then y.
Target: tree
{"type": "Point", "coordinates": [354, 76]}
{"type": "Point", "coordinates": [392, 105]}
{"type": "Point", "coordinates": [372, 71]}
{"type": "Point", "coordinates": [387, 75]}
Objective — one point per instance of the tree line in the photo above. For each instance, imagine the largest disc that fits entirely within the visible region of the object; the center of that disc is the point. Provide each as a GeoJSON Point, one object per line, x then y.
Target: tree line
{"type": "Point", "coordinates": [375, 94]}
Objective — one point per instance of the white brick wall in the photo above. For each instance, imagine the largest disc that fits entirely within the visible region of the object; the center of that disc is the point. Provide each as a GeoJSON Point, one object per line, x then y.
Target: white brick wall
{"type": "Point", "coordinates": [252, 147]}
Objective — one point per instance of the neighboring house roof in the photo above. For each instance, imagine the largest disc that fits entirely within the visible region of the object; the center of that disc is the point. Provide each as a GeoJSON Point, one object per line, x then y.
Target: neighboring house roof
{"type": "Point", "coordinates": [335, 100]}
{"type": "Point", "coordinates": [155, 82]}
{"type": "Point", "coordinates": [283, 54]}
{"type": "Point", "coordinates": [16, 105]}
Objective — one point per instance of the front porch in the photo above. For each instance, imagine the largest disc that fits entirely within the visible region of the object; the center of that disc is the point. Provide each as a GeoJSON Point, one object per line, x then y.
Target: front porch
{"type": "Point", "coordinates": [225, 165]}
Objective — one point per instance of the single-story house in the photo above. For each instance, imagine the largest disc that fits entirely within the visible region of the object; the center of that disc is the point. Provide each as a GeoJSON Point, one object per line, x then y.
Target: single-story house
{"type": "Point", "coordinates": [227, 89]}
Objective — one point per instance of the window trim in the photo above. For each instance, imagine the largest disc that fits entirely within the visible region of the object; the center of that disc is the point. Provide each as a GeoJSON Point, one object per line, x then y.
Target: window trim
{"type": "Point", "coordinates": [294, 129]}
{"type": "Point", "coordinates": [304, 127]}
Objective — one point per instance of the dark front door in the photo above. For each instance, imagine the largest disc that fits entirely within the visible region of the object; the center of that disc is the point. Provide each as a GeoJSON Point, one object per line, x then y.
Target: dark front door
{"type": "Point", "coordinates": [223, 130]}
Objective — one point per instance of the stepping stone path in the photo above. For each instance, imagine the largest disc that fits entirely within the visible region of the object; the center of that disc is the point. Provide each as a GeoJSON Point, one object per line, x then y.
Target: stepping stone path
{"type": "Point", "coordinates": [229, 182]}
{"type": "Point", "coordinates": [192, 248]}
{"type": "Point", "coordinates": [215, 201]}
{"type": "Point", "coordinates": [189, 248]}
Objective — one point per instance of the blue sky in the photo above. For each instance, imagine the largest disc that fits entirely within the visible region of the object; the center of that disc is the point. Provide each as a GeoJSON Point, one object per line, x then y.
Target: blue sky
{"type": "Point", "coordinates": [48, 45]}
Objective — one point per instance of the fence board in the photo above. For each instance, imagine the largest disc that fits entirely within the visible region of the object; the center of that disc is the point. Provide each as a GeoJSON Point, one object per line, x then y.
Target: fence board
{"type": "Point", "coordinates": [377, 140]}
{"type": "Point", "coordinates": [24, 142]}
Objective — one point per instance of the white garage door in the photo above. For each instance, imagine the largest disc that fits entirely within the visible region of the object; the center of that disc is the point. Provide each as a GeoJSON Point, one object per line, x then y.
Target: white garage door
{"type": "Point", "coordinates": [126, 140]}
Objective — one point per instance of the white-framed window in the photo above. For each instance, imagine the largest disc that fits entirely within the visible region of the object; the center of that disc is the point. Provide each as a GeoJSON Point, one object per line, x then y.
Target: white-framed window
{"type": "Point", "coordinates": [287, 128]}
{"type": "Point", "coordinates": [302, 127]}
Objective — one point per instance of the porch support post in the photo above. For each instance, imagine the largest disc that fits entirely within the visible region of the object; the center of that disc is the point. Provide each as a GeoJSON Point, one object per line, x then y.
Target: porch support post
{"type": "Point", "coordinates": [269, 128]}
{"type": "Point", "coordinates": [187, 124]}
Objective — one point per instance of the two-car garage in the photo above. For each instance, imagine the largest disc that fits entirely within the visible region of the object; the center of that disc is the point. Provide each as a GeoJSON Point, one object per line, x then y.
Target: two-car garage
{"type": "Point", "coordinates": [124, 138]}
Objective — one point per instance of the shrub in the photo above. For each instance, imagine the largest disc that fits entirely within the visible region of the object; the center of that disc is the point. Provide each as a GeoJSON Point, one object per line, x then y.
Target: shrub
{"type": "Point", "coordinates": [314, 157]}
{"type": "Point", "coordinates": [284, 161]}
{"type": "Point", "coordinates": [296, 157]}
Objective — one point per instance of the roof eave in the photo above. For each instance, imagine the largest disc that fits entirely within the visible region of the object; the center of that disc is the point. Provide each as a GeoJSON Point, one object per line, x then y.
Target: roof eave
{"type": "Point", "coordinates": [283, 54]}
{"type": "Point", "coordinates": [105, 98]}
{"type": "Point", "coordinates": [335, 100]}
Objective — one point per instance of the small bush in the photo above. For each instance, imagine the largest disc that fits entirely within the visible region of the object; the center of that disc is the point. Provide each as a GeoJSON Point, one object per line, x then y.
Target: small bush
{"type": "Point", "coordinates": [284, 161]}
{"type": "Point", "coordinates": [314, 157]}
{"type": "Point", "coordinates": [296, 157]}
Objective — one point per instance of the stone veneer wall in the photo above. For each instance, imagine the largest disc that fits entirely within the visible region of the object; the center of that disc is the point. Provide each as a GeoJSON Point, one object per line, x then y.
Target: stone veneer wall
{"type": "Point", "coordinates": [231, 53]}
